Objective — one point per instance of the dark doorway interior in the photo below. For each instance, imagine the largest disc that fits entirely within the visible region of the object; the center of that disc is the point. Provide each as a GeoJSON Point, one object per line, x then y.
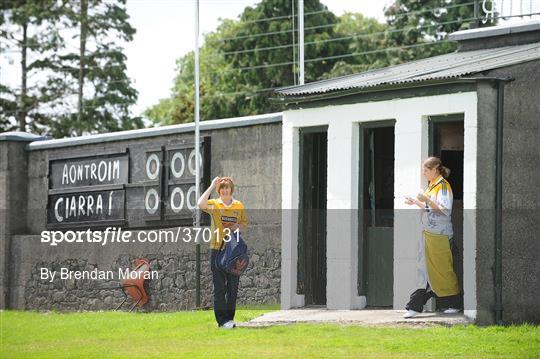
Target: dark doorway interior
{"type": "Point", "coordinates": [312, 216]}
{"type": "Point", "coordinates": [376, 238]}
{"type": "Point", "coordinates": [447, 143]}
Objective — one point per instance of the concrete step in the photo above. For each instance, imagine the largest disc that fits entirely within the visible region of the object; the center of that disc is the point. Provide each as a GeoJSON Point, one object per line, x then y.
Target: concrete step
{"type": "Point", "coordinates": [360, 317]}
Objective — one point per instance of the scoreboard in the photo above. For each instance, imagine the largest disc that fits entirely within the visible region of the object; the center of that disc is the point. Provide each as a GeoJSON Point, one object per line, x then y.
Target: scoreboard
{"type": "Point", "coordinates": [138, 186]}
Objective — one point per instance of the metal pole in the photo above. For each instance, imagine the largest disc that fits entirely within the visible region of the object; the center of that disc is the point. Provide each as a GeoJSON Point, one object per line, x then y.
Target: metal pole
{"type": "Point", "coordinates": [476, 21]}
{"type": "Point", "coordinates": [498, 204]}
{"type": "Point", "coordinates": [301, 40]}
{"type": "Point", "coordinates": [197, 161]}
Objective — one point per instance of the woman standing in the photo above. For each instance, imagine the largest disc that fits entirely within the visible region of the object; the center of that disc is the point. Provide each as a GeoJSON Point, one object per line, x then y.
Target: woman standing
{"type": "Point", "coordinates": [435, 257]}
{"type": "Point", "coordinates": [228, 214]}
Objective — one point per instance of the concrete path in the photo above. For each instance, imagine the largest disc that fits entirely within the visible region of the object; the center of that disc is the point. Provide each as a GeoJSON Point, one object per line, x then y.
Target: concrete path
{"type": "Point", "coordinates": [360, 317]}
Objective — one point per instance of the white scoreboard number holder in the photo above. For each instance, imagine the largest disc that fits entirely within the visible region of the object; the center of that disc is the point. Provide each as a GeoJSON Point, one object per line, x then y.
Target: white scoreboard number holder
{"type": "Point", "coordinates": [179, 179]}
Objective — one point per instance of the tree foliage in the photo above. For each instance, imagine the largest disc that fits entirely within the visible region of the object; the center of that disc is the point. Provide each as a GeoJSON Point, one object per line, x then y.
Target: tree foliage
{"type": "Point", "coordinates": [68, 89]}
{"type": "Point", "coordinates": [419, 22]}
{"type": "Point", "coordinates": [29, 29]}
{"type": "Point", "coordinates": [366, 41]}
{"type": "Point", "coordinates": [72, 90]}
{"type": "Point", "coordinates": [244, 58]}
{"type": "Point", "coordinates": [238, 62]}
{"type": "Point", "coordinates": [97, 73]}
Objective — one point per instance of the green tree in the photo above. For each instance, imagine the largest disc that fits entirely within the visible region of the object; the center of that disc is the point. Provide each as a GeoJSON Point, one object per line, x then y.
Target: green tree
{"type": "Point", "coordinates": [218, 82]}
{"type": "Point", "coordinates": [367, 40]}
{"type": "Point", "coordinates": [67, 89]}
{"type": "Point", "coordinates": [413, 23]}
{"type": "Point", "coordinates": [276, 46]}
{"type": "Point", "coordinates": [248, 55]}
{"type": "Point", "coordinates": [96, 72]}
{"type": "Point", "coordinates": [29, 30]}
{"type": "Point", "coordinates": [244, 58]}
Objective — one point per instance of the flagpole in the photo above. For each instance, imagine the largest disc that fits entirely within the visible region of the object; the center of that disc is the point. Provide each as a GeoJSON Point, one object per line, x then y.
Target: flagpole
{"type": "Point", "coordinates": [197, 161]}
{"type": "Point", "coordinates": [301, 40]}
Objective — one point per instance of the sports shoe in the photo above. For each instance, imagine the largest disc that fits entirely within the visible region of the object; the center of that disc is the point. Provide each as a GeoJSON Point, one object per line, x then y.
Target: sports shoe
{"type": "Point", "coordinates": [229, 325]}
{"type": "Point", "coordinates": [410, 314]}
{"type": "Point", "coordinates": [451, 311]}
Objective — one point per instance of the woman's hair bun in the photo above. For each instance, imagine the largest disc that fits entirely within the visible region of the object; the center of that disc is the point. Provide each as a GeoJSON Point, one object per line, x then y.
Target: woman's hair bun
{"type": "Point", "coordinates": [435, 162]}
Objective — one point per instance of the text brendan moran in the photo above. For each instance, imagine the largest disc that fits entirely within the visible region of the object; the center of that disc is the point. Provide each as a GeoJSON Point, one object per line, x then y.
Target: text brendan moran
{"type": "Point", "coordinates": [122, 273]}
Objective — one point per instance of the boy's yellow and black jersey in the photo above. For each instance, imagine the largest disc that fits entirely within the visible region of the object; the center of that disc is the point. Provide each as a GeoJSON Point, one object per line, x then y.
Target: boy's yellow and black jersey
{"type": "Point", "coordinates": [222, 216]}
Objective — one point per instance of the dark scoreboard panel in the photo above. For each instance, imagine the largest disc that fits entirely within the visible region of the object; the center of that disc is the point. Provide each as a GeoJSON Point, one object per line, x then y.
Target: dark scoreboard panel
{"type": "Point", "coordinates": [89, 171]}
{"type": "Point", "coordinates": [139, 186]}
{"type": "Point", "coordinates": [90, 206]}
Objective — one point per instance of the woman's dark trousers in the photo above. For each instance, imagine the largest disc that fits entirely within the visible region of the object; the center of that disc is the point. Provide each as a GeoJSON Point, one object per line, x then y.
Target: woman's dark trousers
{"type": "Point", "coordinates": [420, 297]}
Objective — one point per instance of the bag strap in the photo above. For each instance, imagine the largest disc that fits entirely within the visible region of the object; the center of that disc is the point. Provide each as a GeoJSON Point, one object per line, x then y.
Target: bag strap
{"type": "Point", "coordinates": [223, 241]}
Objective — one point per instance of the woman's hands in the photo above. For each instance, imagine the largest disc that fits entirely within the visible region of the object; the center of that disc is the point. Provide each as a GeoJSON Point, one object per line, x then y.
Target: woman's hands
{"type": "Point", "coordinates": [410, 201]}
{"type": "Point", "coordinates": [422, 198]}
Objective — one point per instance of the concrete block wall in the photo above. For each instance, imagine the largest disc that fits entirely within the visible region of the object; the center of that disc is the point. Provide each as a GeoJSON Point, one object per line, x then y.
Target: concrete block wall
{"type": "Point", "coordinates": [485, 198]}
{"type": "Point", "coordinates": [521, 199]}
{"type": "Point", "coordinates": [13, 185]}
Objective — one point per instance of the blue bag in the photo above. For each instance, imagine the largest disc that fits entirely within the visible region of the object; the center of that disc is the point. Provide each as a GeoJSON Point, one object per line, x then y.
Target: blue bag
{"type": "Point", "coordinates": [233, 258]}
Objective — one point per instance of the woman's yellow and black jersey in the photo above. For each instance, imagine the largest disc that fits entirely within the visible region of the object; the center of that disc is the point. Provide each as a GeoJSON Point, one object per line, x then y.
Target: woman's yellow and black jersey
{"type": "Point", "coordinates": [222, 216]}
{"type": "Point", "coordinates": [440, 192]}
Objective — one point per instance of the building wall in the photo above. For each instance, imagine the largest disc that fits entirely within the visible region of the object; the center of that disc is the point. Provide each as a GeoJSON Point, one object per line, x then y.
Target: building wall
{"type": "Point", "coordinates": [521, 209]}
{"type": "Point", "coordinates": [520, 225]}
{"type": "Point", "coordinates": [249, 154]}
{"type": "Point", "coordinates": [411, 147]}
{"type": "Point", "coordinates": [12, 178]}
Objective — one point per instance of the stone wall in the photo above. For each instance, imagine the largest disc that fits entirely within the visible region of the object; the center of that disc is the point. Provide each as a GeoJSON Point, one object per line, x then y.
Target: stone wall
{"type": "Point", "coordinates": [173, 290]}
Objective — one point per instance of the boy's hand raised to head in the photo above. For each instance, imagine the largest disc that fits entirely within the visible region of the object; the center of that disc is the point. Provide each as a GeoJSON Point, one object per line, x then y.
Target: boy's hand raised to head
{"type": "Point", "coordinates": [216, 181]}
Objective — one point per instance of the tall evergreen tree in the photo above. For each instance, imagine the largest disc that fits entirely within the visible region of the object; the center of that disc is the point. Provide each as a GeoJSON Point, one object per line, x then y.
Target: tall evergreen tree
{"type": "Point", "coordinates": [28, 29]}
{"type": "Point", "coordinates": [66, 88]}
{"type": "Point", "coordinates": [96, 71]}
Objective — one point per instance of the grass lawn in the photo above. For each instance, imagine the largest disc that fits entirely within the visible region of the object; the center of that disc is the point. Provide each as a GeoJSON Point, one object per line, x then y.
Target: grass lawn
{"type": "Point", "coordinates": [195, 335]}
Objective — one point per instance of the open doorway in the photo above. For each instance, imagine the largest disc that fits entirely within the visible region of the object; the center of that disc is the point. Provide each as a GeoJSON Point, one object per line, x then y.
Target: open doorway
{"type": "Point", "coordinates": [376, 214]}
{"type": "Point", "coordinates": [312, 216]}
{"type": "Point", "coordinates": [446, 141]}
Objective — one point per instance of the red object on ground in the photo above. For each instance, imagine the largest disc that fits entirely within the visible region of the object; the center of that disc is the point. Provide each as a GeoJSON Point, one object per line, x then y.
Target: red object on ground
{"type": "Point", "coordinates": [134, 287]}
